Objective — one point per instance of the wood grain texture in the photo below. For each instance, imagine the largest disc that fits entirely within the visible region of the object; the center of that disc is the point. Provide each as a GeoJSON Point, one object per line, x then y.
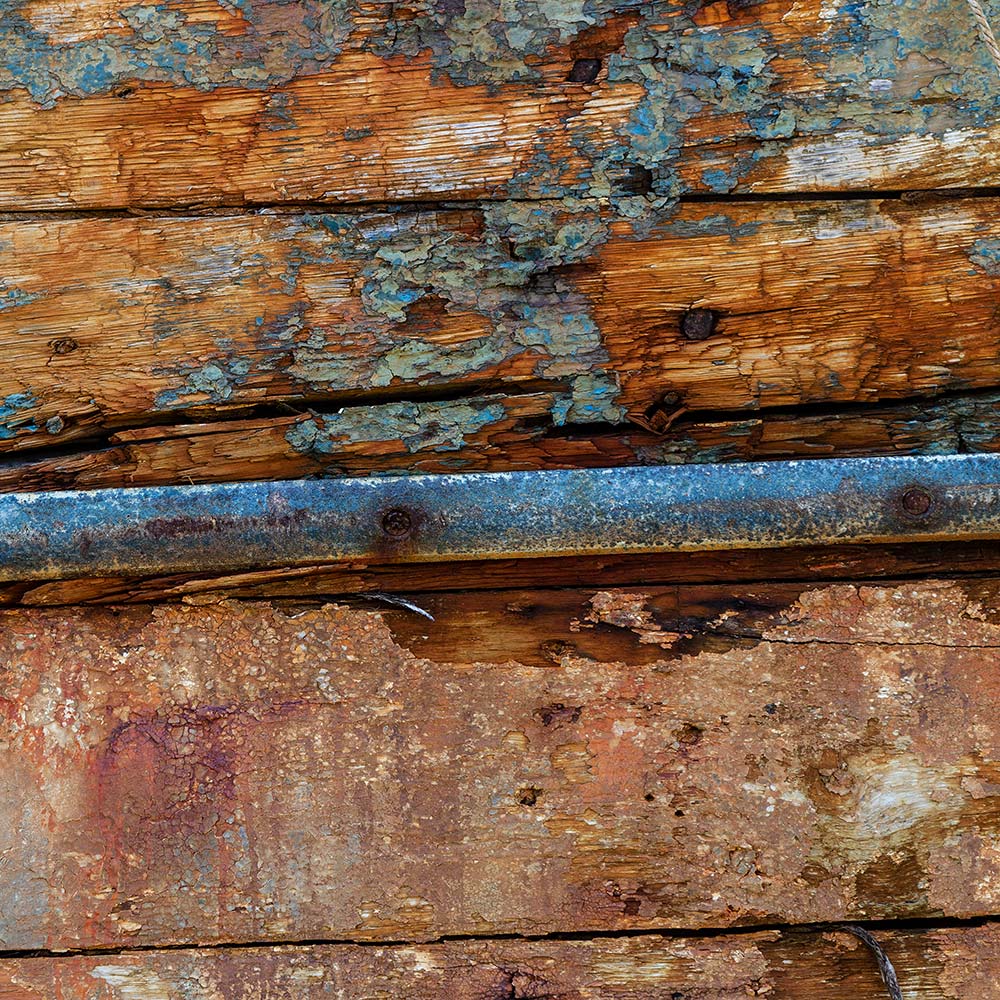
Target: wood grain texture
{"type": "Point", "coordinates": [111, 324]}
{"type": "Point", "coordinates": [243, 773]}
{"type": "Point", "coordinates": [105, 104]}
{"type": "Point", "coordinates": [934, 964]}
{"type": "Point", "coordinates": [440, 437]}
{"type": "Point", "coordinates": [826, 562]}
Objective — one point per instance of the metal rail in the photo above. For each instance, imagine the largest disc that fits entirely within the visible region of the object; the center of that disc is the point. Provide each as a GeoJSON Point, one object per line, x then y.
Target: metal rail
{"type": "Point", "coordinates": [175, 529]}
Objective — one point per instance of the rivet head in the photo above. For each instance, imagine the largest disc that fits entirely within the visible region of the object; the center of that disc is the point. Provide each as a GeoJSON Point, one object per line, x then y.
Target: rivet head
{"type": "Point", "coordinates": [397, 523]}
{"type": "Point", "coordinates": [916, 501]}
{"type": "Point", "coordinates": [699, 324]}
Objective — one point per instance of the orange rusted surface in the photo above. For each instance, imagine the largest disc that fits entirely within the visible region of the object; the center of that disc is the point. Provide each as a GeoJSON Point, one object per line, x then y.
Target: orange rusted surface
{"type": "Point", "coordinates": [239, 772]}
{"type": "Point", "coordinates": [946, 964]}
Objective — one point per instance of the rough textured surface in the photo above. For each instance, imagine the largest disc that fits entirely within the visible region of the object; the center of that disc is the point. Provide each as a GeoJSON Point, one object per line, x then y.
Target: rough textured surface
{"type": "Point", "coordinates": [826, 562]}
{"type": "Point", "coordinates": [441, 437]}
{"type": "Point", "coordinates": [263, 101]}
{"type": "Point", "coordinates": [245, 773]}
{"type": "Point", "coordinates": [945, 964]}
{"type": "Point", "coordinates": [114, 323]}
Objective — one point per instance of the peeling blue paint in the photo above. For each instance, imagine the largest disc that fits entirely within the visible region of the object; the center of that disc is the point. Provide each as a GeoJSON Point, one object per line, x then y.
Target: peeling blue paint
{"type": "Point", "coordinates": [213, 382]}
{"type": "Point", "coordinates": [985, 254]}
{"type": "Point", "coordinates": [432, 426]}
{"type": "Point", "coordinates": [11, 298]}
{"type": "Point", "coordinates": [16, 415]}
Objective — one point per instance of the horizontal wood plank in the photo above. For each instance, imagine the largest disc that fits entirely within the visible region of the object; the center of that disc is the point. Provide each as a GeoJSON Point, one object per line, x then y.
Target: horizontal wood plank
{"type": "Point", "coordinates": [443, 437]}
{"type": "Point", "coordinates": [232, 772]}
{"type": "Point", "coordinates": [109, 105]}
{"type": "Point", "coordinates": [109, 325]}
{"type": "Point", "coordinates": [811, 563]}
{"type": "Point", "coordinates": [934, 964]}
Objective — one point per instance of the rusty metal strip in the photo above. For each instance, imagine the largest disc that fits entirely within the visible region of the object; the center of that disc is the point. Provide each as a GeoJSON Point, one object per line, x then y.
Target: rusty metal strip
{"type": "Point", "coordinates": [497, 515]}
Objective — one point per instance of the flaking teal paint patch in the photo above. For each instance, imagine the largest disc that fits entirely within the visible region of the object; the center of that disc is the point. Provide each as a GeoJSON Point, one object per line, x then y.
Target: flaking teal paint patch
{"type": "Point", "coordinates": [433, 426]}
{"type": "Point", "coordinates": [282, 41]}
{"type": "Point", "coordinates": [14, 415]}
{"type": "Point", "coordinates": [591, 401]}
{"type": "Point", "coordinates": [985, 254]}
{"type": "Point", "coordinates": [11, 298]}
{"type": "Point", "coordinates": [213, 382]}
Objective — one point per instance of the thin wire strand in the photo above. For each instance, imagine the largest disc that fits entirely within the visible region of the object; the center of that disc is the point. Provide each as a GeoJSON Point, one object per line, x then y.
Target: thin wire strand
{"type": "Point", "coordinates": [885, 968]}
{"type": "Point", "coordinates": [985, 32]}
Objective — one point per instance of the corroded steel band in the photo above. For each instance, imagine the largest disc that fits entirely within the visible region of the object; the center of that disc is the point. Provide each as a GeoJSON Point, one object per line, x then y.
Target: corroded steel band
{"type": "Point", "coordinates": [497, 515]}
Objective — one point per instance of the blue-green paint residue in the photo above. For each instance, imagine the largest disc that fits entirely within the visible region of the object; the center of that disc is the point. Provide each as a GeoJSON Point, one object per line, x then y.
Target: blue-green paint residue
{"type": "Point", "coordinates": [985, 255]}
{"type": "Point", "coordinates": [155, 43]}
{"type": "Point", "coordinates": [17, 415]}
{"type": "Point", "coordinates": [212, 382]}
{"type": "Point", "coordinates": [881, 71]}
{"type": "Point", "coordinates": [11, 298]}
{"type": "Point", "coordinates": [432, 426]}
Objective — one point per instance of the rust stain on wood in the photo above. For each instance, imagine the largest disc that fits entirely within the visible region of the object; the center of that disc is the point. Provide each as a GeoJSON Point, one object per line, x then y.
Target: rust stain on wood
{"type": "Point", "coordinates": [245, 773]}
{"type": "Point", "coordinates": [936, 964]}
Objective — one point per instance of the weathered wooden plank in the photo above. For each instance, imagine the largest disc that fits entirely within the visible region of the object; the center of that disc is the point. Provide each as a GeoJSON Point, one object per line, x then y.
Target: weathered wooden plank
{"type": "Point", "coordinates": [935, 964]}
{"type": "Point", "coordinates": [242, 773]}
{"type": "Point", "coordinates": [826, 562]}
{"type": "Point", "coordinates": [110, 105]}
{"type": "Point", "coordinates": [442, 437]}
{"type": "Point", "coordinates": [113, 323]}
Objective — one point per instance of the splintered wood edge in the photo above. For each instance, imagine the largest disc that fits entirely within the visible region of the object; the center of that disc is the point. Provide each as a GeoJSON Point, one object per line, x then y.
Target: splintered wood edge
{"type": "Point", "coordinates": [953, 963]}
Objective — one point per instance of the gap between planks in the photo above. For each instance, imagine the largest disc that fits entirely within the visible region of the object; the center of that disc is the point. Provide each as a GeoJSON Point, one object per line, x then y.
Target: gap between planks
{"type": "Point", "coordinates": [667, 933]}
{"type": "Point", "coordinates": [282, 209]}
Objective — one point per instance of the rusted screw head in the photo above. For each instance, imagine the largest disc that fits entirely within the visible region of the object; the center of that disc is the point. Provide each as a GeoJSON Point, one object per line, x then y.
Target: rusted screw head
{"type": "Point", "coordinates": [699, 324]}
{"type": "Point", "coordinates": [916, 501]}
{"type": "Point", "coordinates": [397, 523]}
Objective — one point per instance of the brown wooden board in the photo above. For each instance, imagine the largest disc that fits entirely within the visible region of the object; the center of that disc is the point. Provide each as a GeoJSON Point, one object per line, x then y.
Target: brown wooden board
{"type": "Point", "coordinates": [816, 563]}
{"type": "Point", "coordinates": [551, 762]}
{"type": "Point", "coordinates": [448, 318]}
{"type": "Point", "coordinates": [934, 964]}
{"type": "Point", "coordinates": [104, 105]}
{"type": "Point", "coordinates": [522, 438]}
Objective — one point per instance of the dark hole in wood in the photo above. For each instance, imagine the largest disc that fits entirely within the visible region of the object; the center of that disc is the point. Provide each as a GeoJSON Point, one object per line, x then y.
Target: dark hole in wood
{"type": "Point", "coordinates": [528, 796]}
{"type": "Point", "coordinates": [584, 71]}
{"type": "Point", "coordinates": [637, 179]}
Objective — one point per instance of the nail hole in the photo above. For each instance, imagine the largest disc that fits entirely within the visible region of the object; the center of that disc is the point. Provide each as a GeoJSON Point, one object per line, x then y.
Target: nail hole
{"type": "Point", "coordinates": [637, 179]}
{"type": "Point", "coordinates": [649, 797]}
{"type": "Point", "coordinates": [689, 735]}
{"type": "Point", "coordinates": [63, 345]}
{"type": "Point", "coordinates": [584, 71]}
{"type": "Point", "coordinates": [699, 324]}
{"type": "Point", "coordinates": [528, 796]}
